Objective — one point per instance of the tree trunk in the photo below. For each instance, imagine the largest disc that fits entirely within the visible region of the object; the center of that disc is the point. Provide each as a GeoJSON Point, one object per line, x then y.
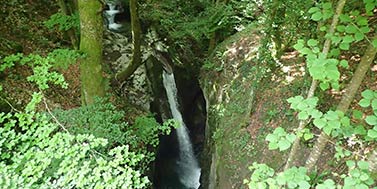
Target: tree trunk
{"type": "Point", "coordinates": [136, 41]}
{"type": "Point", "coordinates": [91, 24]}
{"type": "Point", "coordinates": [344, 104]}
{"type": "Point", "coordinates": [325, 51]}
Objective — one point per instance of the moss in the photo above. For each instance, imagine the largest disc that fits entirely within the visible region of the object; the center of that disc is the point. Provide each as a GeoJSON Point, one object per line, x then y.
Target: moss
{"type": "Point", "coordinates": [244, 106]}
{"type": "Point", "coordinates": [92, 79]}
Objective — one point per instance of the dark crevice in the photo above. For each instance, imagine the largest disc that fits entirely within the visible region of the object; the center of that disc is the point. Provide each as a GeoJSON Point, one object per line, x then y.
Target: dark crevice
{"type": "Point", "coordinates": [192, 107]}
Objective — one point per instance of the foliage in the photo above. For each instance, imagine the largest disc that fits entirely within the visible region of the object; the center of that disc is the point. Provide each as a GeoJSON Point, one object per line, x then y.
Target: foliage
{"type": "Point", "coordinates": [326, 68]}
{"type": "Point", "coordinates": [370, 100]}
{"type": "Point", "coordinates": [35, 154]}
{"type": "Point", "coordinates": [103, 120]}
{"type": "Point", "coordinates": [264, 177]}
{"type": "Point", "coordinates": [87, 147]}
{"type": "Point", "coordinates": [280, 139]}
{"type": "Point", "coordinates": [281, 23]}
{"type": "Point", "coordinates": [42, 66]}
{"type": "Point", "coordinates": [63, 22]}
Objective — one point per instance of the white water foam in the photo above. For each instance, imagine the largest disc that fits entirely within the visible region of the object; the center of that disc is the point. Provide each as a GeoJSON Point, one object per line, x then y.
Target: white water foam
{"type": "Point", "coordinates": [188, 165]}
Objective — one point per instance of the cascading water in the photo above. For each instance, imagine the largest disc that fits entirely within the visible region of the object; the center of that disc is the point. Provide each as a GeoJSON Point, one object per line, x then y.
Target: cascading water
{"type": "Point", "coordinates": [189, 170]}
{"type": "Point", "coordinates": [110, 15]}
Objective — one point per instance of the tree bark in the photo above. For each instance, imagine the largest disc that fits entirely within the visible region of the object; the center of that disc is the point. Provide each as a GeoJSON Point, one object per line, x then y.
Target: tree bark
{"type": "Point", "coordinates": [136, 41]}
{"type": "Point", "coordinates": [325, 51]}
{"type": "Point", "coordinates": [344, 104]}
{"type": "Point", "coordinates": [91, 24]}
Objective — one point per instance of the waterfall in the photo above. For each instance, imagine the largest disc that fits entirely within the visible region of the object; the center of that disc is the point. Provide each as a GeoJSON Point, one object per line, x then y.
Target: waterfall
{"type": "Point", "coordinates": [188, 165]}
{"type": "Point", "coordinates": [110, 15]}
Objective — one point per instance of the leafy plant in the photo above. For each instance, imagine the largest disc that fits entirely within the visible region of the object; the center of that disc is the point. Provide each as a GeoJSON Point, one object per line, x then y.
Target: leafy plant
{"type": "Point", "coordinates": [87, 147]}
{"type": "Point", "coordinates": [43, 66]}
{"type": "Point", "coordinates": [280, 139]}
{"type": "Point", "coordinates": [63, 22]}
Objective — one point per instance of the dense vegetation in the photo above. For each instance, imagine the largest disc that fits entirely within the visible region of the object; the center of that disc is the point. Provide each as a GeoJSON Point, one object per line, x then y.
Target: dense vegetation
{"type": "Point", "coordinates": [99, 143]}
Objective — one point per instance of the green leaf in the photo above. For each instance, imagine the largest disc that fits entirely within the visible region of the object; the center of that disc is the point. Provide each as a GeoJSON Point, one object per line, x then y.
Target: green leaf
{"type": "Point", "coordinates": [312, 42]}
{"type": "Point", "coordinates": [368, 94]}
{"type": "Point", "coordinates": [334, 52]}
{"type": "Point", "coordinates": [371, 120]}
{"type": "Point", "coordinates": [348, 39]}
{"type": "Point", "coordinates": [320, 123]}
{"type": "Point", "coordinates": [345, 18]}
{"type": "Point", "coordinates": [299, 45]}
{"type": "Point", "coordinates": [344, 46]}
{"type": "Point", "coordinates": [372, 133]}
{"type": "Point", "coordinates": [363, 165]}
{"type": "Point", "coordinates": [361, 21]}
{"type": "Point", "coordinates": [308, 136]}
{"type": "Point", "coordinates": [327, 130]}
{"type": "Point", "coordinates": [369, 7]}
{"type": "Point", "coordinates": [374, 104]}
{"type": "Point", "coordinates": [284, 145]}
{"type": "Point", "coordinates": [341, 28]}
{"type": "Point", "coordinates": [317, 16]}
{"type": "Point", "coordinates": [291, 138]}
{"type": "Point", "coordinates": [327, 6]}
{"type": "Point", "coordinates": [303, 115]}
{"type": "Point", "coordinates": [360, 130]}
{"type": "Point", "coordinates": [350, 164]}
{"type": "Point", "coordinates": [271, 137]}
{"type": "Point", "coordinates": [356, 114]}
{"type": "Point", "coordinates": [344, 63]}
{"type": "Point", "coordinates": [364, 103]}
{"type": "Point", "coordinates": [323, 28]}
{"type": "Point", "coordinates": [345, 121]}
{"type": "Point", "coordinates": [314, 9]}
{"type": "Point", "coordinates": [351, 29]}
{"type": "Point", "coordinates": [365, 29]}
{"type": "Point", "coordinates": [331, 115]}
{"type": "Point", "coordinates": [316, 114]}
{"type": "Point", "coordinates": [273, 146]}
{"type": "Point", "coordinates": [359, 36]}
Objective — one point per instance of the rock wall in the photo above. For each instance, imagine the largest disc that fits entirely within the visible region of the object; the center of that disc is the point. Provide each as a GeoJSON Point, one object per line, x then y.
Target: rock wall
{"type": "Point", "coordinates": [118, 54]}
{"type": "Point", "coordinates": [229, 93]}
{"type": "Point", "coordinates": [245, 101]}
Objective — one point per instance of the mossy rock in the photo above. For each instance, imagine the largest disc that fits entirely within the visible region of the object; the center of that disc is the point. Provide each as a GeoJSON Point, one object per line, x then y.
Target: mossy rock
{"type": "Point", "coordinates": [244, 104]}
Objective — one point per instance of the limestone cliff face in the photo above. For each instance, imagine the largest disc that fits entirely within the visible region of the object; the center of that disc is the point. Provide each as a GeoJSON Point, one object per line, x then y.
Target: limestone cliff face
{"type": "Point", "coordinates": [229, 91]}
{"type": "Point", "coordinates": [245, 101]}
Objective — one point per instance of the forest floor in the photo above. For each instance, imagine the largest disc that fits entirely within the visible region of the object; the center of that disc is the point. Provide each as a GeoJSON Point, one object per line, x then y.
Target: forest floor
{"type": "Point", "coordinates": [23, 31]}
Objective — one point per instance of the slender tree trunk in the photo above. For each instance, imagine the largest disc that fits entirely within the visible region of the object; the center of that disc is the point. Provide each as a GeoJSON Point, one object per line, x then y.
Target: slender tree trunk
{"type": "Point", "coordinates": [325, 51]}
{"type": "Point", "coordinates": [71, 32]}
{"type": "Point", "coordinates": [136, 41]}
{"type": "Point", "coordinates": [344, 104]}
{"type": "Point", "coordinates": [92, 80]}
